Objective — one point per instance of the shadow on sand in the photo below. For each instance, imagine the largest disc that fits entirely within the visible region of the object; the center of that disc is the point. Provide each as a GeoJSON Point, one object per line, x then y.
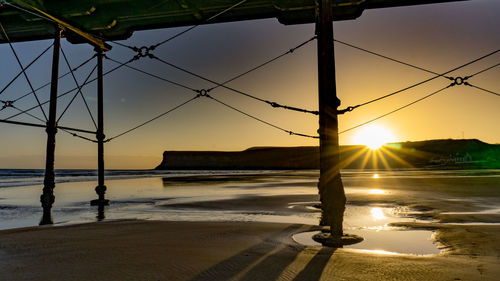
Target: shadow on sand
{"type": "Point", "coordinates": [254, 263]}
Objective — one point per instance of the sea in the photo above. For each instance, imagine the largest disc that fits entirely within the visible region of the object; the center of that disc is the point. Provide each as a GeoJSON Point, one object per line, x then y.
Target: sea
{"type": "Point", "coordinates": [134, 194]}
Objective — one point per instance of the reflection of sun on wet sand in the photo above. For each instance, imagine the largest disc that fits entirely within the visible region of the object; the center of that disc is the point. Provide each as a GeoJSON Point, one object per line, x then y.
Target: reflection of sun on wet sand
{"type": "Point", "coordinates": [461, 210]}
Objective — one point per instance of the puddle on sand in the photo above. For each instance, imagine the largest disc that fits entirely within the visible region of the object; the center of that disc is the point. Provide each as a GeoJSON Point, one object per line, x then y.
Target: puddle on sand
{"type": "Point", "coordinates": [413, 242]}
{"type": "Point", "coordinates": [374, 217]}
{"type": "Point", "coordinates": [371, 223]}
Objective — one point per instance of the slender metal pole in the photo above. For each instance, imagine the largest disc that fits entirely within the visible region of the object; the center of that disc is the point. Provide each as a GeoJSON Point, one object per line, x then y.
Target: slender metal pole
{"type": "Point", "coordinates": [47, 198]}
{"type": "Point", "coordinates": [330, 186]}
{"type": "Point", "coordinates": [101, 188]}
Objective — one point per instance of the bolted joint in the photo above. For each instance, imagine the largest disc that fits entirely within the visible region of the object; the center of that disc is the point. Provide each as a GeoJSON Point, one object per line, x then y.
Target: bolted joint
{"type": "Point", "coordinates": [202, 93]}
{"type": "Point", "coordinates": [100, 189]}
{"type": "Point", "coordinates": [144, 51]}
{"type": "Point", "coordinates": [7, 103]}
{"type": "Point", "coordinates": [458, 80]}
{"type": "Point", "coordinates": [274, 104]}
{"type": "Point", "coordinates": [337, 101]}
{"type": "Point", "coordinates": [98, 51]}
{"type": "Point", "coordinates": [100, 136]}
{"type": "Point", "coordinates": [347, 109]}
{"type": "Point", "coordinates": [47, 200]}
{"type": "Point", "coordinates": [51, 129]}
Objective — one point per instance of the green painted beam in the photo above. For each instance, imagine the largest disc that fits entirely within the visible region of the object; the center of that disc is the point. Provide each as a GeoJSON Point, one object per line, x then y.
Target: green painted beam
{"type": "Point", "coordinates": [118, 19]}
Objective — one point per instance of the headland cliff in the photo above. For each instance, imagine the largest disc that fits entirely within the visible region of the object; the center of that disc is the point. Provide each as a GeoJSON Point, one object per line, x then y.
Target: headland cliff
{"type": "Point", "coordinates": [438, 154]}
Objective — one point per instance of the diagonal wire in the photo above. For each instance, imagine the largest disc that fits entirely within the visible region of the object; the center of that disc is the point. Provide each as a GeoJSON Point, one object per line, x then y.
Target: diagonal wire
{"type": "Point", "coordinates": [154, 118]}
{"type": "Point", "coordinates": [195, 26]}
{"type": "Point", "coordinates": [78, 136]}
{"type": "Point", "coordinates": [22, 68]}
{"type": "Point", "coordinates": [152, 47]}
{"type": "Point", "coordinates": [204, 78]}
{"type": "Point", "coordinates": [31, 63]}
{"type": "Point", "coordinates": [398, 109]}
{"type": "Point", "coordinates": [273, 104]}
{"type": "Point", "coordinates": [60, 77]}
{"type": "Point", "coordinates": [153, 75]}
{"type": "Point", "coordinates": [482, 89]}
{"type": "Point", "coordinates": [481, 71]}
{"type": "Point", "coordinates": [260, 120]}
{"type": "Point", "coordinates": [74, 96]}
{"type": "Point", "coordinates": [388, 58]}
{"type": "Point", "coordinates": [425, 81]}
{"type": "Point", "coordinates": [263, 64]}
{"type": "Point", "coordinates": [64, 130]}
{"type": "Point", "coordinates": [29, 114]}
{"type": "Point", "coordinates": [74, 89]}
{"type": "Point", "coordinates": [79, 90]}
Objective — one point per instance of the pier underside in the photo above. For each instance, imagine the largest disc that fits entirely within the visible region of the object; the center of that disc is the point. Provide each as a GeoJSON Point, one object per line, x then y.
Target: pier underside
{"type": "Point", "coordinates": [118, 19]}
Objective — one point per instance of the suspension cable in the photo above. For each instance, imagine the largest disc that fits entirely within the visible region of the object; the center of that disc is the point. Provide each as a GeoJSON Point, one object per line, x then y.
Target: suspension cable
{"type": "Point", "coordinates": [260, 120]}
{"type": "Point", "coordinates": [60, 77]}
{"type": "Point", "coordinates": [74, 89]}
{"type": "Point", "coordinates": [350, 108]}
{"type": "Point", "coordinates": [484, 70]}
{"type": "Point", "coordinates": [388, 58]}
{"type": "Point", "coordinates": [152, 75]}
{"type": "Point", "coordinates": [75, 95]}
{"type": "Point", "coordinates": [29, 114]}
{"type": "Point", "coordinates": [44, 126]}
{"type": "Point", "coordinates": [79, 91]}
{"type": "Point", "coordinates": [30, 64]}
{"type": "Point", "coordinates": [154, 118]}
{"type": "Point", "coordinates": [398, 109]}
{"type": "Point", "coordinates": [273, 104]}
{"type": "Point", "coordinates": [264, 63]}
{"type": "Point", "coordinates": [482, 89]}
{"type": "Point", "coordinates": [22, 69]}
{"type": "Point", "coordinates": [64, 129]}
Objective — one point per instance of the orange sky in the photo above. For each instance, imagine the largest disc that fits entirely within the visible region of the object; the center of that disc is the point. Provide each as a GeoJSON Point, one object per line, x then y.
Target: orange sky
{"type": "Point", "coordinates": [437, 37]}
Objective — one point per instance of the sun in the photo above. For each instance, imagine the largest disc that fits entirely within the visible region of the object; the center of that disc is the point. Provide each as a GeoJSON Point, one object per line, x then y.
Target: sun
{"type": "Point", "coordinates": [373, 136]}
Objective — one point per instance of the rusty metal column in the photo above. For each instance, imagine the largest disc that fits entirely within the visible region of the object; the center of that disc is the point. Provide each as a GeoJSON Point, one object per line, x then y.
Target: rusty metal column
{"type": "Point", "coordinates": [47, 198]}
{"type": "Point", "coordinates": [330, 186]}
{"type": "Point", "coordinates": [101, 188]}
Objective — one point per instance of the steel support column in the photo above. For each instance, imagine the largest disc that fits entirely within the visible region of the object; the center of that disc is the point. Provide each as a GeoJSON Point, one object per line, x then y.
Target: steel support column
{"type": "Point", "coordinates": [330, 186]}
{"type": "Point", "coordinates": [47, 198]}
{"type": "Point", "coordinates": [101, 188]}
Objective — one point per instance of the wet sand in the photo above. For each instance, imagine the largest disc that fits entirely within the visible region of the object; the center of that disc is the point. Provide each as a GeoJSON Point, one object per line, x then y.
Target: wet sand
{"type": "Point", "coordinates": [181, 250]}
{"type": "Point", "coordinates": [138, 250]}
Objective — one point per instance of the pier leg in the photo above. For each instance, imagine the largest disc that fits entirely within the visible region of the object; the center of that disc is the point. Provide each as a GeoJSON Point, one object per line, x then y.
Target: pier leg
{"type": "Point", "coordinates": [330, 186]}
{"type": "Point", "coordinates": [101, 188]}
{"type": "Point", "coordinates": [47, 198]}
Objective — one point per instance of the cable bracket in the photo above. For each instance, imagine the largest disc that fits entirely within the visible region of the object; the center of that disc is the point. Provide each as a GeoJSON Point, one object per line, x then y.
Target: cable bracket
{"type": "Point", "coordinates": [347, 109]}
{"type": "Point", "coordinates": [203, 93]}
{"type": "Point", "coordinates": [7, 103]}
{"type": "Point", "coordinates": [459, 80]}
{"type": "Point", "coordinates": [144, 51]}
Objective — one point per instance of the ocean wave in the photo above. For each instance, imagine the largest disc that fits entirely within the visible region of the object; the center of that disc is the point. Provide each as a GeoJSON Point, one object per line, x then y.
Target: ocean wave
{"type": "Point", "coordinates": [29, 177]}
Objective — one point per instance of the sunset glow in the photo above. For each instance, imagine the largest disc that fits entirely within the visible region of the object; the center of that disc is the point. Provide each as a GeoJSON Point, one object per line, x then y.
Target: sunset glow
{"type": "Point", "coordinates": [373, 137]}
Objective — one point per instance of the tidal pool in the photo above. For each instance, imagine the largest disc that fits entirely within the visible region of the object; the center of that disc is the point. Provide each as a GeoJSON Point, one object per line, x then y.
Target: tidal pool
{"type": "Point", "coordinates": [397, 241]}
{"type": "Point", "coordinates": [372, 222]}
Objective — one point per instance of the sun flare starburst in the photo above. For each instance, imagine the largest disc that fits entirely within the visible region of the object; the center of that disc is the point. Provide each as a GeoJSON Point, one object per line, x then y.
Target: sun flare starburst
{"type": "Point", "coordinates": [373, 137]}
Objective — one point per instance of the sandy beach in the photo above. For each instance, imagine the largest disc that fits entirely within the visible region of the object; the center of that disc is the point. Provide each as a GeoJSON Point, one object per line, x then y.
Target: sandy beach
{"type": "Point", "coordinates": [463, 219]}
